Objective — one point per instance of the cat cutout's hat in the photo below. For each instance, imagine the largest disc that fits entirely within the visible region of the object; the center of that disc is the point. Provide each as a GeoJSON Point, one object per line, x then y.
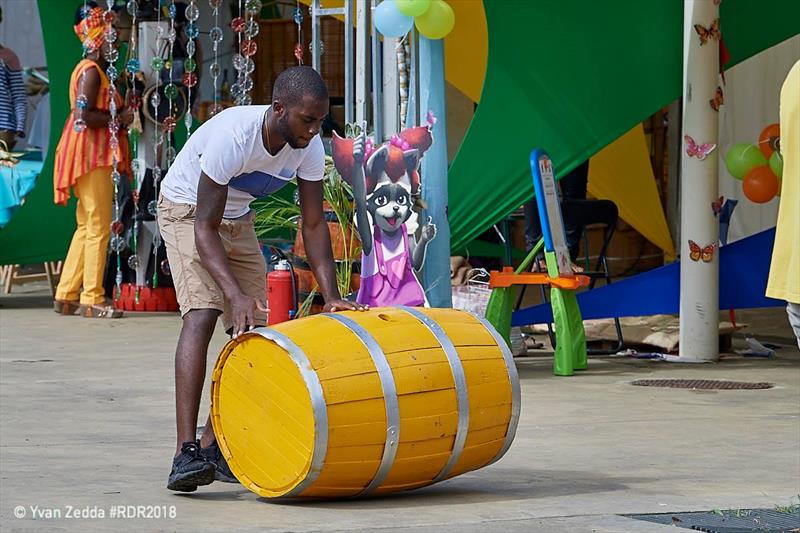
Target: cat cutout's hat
{"type": "Point", "coordinates": [395, 161]}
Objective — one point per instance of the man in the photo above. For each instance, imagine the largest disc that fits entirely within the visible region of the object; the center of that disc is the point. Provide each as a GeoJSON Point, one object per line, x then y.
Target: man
{"type": "Point", "coordinates": [216, 262]}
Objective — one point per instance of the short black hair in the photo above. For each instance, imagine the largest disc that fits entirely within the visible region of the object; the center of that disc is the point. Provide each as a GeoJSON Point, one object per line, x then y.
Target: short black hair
{"type": "Point", "coordinates": [294, 83]}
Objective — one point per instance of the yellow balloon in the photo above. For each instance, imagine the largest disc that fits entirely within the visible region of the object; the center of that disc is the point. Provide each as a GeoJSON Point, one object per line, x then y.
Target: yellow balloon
{"type": "Point", "coordinates": [437, 21]}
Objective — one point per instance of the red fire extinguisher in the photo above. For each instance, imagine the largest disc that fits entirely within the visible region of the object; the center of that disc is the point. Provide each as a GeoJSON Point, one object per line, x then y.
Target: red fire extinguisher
{"type": "Point", "coordinates": [281, 285]}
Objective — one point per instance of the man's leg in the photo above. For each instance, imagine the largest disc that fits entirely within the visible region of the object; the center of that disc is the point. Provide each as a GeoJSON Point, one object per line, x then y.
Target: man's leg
{"type": "Point", "coordinates": [201, 302]}
{"type": "Point", "coordinates": [190, 370]}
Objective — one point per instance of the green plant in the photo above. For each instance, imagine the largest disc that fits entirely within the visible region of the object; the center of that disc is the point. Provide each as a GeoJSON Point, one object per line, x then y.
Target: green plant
{"type": "Point", "coordinates": [339, 197]}
{"type": "Point", "coordinates": [793, 507]}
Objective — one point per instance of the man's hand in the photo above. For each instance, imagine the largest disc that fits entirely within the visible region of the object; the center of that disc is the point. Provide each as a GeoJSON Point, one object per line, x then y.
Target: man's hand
{"type": "Point", "coordinates": [343, 305]}
{"type": "Point", "coordinates": [243, 311]}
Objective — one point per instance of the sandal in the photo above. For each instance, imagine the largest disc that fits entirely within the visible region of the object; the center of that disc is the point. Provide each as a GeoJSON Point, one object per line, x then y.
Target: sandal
{"type": "Point", "coordinates": [63, 307]}
{"type": "Point", "coordinates": [100, 311]}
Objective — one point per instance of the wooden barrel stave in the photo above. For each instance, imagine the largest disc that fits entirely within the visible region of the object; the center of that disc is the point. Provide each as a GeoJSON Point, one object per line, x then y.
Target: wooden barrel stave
{"type": "Point", "coordinates": [427, 404]}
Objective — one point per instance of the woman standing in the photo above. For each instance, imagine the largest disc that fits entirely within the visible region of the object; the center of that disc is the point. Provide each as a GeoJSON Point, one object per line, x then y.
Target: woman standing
{"type": "Point", "coordinates": [84, 159]}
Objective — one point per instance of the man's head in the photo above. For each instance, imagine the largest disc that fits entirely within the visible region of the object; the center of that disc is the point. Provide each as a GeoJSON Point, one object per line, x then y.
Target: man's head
{"type": "Point", "coordinates": [300, 103]}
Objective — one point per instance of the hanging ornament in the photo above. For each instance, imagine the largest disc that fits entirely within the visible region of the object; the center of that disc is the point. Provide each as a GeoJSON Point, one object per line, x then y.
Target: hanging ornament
{"type": "Point", "coordinates": [133, 8]}
{"type": "Point", "coordinates": [81, 102]}
{"type": "Point", "coordinates": [192, 31]}
{"type": "Point", "coordinates": [171, 91]}
{"type": "Point", "coordinates": [249, 66]}
{"type": "Point", "coordinates": [152, 207]}
{"type": "Point", "coordinates": [251, 28]}
{"type": "Point", "coordinates": [237, 24]}
{"type": "Point", "coordinates": [216, 35]}
{"type": "Point", "coordinates": [192, 12]}
{"type": "Point", "coordinates": [165, 267]}
{"type": "Point", "coordinates": [111, 55]}
{"type": "Point", "coordinates": [132, 66]}
{"type": "Point", "coordinates": [117, 243]}
{"type": "Point", "coordinates": [253, 6]}
{"type": "Point", "coordinates": [169, 124]}
{"type": "Point", "coordinates": [117, 227]}
{"type": "Point", "coordinates": [249, 48]}
{"type": "Point", "coordinates": [133, 262]}
{"type": "Point", "coordinates": [298, 20]}
{"type": "Point", "coordinates": [189, 78]}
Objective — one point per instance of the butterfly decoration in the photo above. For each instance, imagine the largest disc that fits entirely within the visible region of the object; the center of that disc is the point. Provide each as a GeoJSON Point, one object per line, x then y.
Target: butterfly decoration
{"type": "Point", "coordinates": [718, 100]}
{"type": "Point", "coordinates": [696, 253]}
{"type": "Point", "coordinates": [716, 205]}
{"type": "Point", "coordinates": [712, 32]}
{"type": "Point", "coordinates": [700, 151]}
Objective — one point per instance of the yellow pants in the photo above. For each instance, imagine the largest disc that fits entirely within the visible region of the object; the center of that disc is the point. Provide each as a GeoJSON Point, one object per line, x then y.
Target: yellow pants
{"type": "Point", "coordinates": [86, 259]}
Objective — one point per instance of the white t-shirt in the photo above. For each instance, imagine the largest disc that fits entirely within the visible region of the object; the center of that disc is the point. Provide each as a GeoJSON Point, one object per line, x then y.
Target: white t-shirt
{"type": "Point", "coordinates": [229, 149]}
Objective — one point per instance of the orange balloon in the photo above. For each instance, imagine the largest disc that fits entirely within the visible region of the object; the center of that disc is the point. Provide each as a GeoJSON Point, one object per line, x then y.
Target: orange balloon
{"type": "Point", "coordinates": [760, 185]}
{"type": "Point", "coordinates": [768, 140]}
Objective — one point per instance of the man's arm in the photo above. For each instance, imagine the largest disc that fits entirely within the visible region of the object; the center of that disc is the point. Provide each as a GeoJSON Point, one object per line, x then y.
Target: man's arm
{"type": "Point", "coordinates": [211, 198]}
{"type": "Point", "coordinates": [317, 242]}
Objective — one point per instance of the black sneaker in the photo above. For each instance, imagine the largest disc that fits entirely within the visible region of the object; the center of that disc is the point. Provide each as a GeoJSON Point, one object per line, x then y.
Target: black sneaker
{"type": "Point", "coordinates": [214, 456]}
{"type": "Point", "coordinates": [190, 469]}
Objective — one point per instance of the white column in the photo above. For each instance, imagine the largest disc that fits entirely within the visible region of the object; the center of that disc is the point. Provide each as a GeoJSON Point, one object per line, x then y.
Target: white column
{"type": "Point", "coordinates": [391, 100]}
{"type": "Point", "coordinates": [699, 298]}
{"type": "Point", "coordinates": [362, 32]}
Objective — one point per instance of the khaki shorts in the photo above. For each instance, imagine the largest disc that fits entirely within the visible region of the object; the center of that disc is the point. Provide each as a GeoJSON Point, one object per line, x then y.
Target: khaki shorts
{"type": "Point", "coordinates": [194, 286]}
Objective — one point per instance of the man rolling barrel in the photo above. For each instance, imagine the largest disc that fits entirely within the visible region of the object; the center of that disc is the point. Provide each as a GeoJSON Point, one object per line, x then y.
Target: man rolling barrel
{"type": "Point", "coordinates": [204, 215]}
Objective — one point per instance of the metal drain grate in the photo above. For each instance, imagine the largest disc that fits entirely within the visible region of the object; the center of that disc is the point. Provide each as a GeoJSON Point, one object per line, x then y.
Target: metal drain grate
{"type": "Point", "coordinates": [738, 521]}
{"type": "Point", "coordinates": [702, 384]}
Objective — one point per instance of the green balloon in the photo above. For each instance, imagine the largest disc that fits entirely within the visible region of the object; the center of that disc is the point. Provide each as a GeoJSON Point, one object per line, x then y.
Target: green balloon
{"type": "Point", "coordinates": [742, 158]}
{"type": "Point", "coordinates": [776, 164]}
{"type": "Point", "coordinates": [412, 8]}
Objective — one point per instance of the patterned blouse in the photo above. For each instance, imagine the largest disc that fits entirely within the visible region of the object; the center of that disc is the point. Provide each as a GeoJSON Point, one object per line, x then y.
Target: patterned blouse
{"type": "Point", "coordinates": [79, 153]}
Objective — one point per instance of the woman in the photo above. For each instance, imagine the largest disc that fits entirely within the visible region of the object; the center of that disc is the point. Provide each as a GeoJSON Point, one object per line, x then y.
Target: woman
{"type": "Point", "coordinates": [84, 159]}
{"type": "Point", "coordinates": [13, 100]}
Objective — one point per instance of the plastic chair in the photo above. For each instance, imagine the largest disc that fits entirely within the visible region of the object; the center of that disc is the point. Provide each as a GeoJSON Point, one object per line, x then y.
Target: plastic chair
{"type": "Point", "coordinates": [581, 214]}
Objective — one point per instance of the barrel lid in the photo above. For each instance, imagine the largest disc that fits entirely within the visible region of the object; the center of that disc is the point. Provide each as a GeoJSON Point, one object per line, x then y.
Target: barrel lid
{"type": "Point", "coordinates": [263, 416]}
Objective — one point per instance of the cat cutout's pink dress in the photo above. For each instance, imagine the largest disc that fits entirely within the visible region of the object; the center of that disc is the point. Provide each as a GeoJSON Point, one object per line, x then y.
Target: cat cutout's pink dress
{"type": "Point", "coordinates": [387, 282]}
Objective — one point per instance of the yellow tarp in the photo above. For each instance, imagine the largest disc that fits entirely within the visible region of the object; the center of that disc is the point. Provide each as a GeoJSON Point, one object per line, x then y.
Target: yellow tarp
{"type": "Point", "coordinates": [622, 173]}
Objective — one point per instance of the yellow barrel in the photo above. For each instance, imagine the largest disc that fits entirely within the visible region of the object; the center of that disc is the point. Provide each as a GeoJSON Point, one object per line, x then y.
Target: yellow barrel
{"type": "Point", "coordinates": [350, 404]}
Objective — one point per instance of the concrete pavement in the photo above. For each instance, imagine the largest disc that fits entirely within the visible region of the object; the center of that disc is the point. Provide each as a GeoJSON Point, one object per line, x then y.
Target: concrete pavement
{"type": "Point", "coordinates": [87, 421]}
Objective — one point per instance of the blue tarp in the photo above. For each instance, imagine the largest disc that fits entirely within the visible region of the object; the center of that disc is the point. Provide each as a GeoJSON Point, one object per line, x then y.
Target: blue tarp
{"type": "Point", "coordinates": [743, 274]}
